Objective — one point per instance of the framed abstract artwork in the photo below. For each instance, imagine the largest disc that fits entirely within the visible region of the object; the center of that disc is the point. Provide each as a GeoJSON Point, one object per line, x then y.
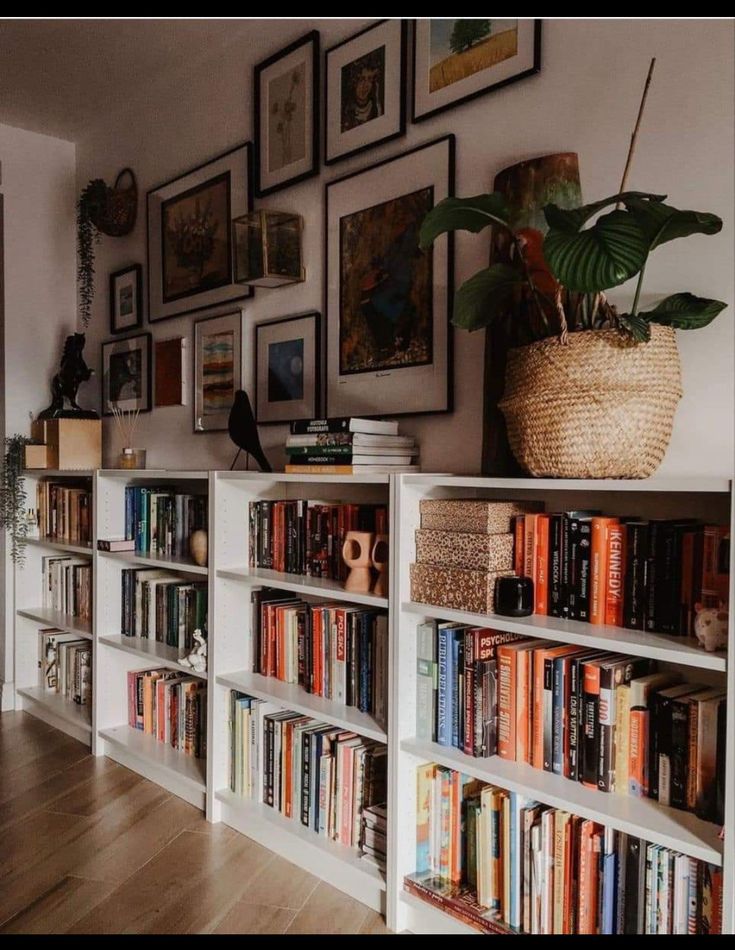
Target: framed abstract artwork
{"type": "Point", "coordinates": [190, 253]}
{"type": "Point", "coordinates": [288, 369]}
{"type": "Point", "coordinates": [456, 60]}
{"type": "Point", "coordinates": [126, 299]}
{"type": "Point", "coordinates": [365, 90]}
{"type": "Point", "coordinates": [286, 120]}
{"type": "Point", "coordinates": [388, 302]}
{"type": "Point", "coordinates": [126, 374]}
{"type": "Point", "coordinates": [217, 369]}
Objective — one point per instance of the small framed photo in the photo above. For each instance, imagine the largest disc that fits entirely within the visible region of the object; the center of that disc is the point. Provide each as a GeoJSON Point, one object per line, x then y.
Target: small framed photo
{"type": "Point", "coordinates": [286, 120]}
{"type": "Point", "coordinates": [457, 60]}
{"type": "Point", "coordinates": [365, 90]}
{"type": "Point", "coordinates": [126, 299]}
{"type": "Point", "coordinates": [217, 369]}
{"type": "Point", "coordinates": [288, 369]}
{"type": "Point", "coordinates": [126, 374]}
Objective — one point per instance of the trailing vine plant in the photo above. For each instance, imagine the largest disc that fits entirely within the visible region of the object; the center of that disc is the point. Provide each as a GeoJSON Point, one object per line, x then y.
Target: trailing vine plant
{"type": "Point", "coordinates": [90, 200]}
{"type": "Point", "coordinates": [13, 496]}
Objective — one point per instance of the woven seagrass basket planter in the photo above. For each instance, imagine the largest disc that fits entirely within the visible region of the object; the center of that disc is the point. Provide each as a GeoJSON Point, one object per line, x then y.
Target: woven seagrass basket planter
{"type": "Point", "coordinates": [600, 406]}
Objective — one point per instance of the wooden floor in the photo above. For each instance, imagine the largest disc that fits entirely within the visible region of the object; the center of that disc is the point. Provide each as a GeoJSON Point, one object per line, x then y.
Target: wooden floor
{"type": "Point", "coordinates": [87, 846]}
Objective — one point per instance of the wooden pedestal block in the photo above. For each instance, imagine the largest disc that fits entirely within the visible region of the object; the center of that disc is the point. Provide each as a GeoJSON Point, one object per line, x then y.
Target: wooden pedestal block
{"type": "Point", "coordinates": [36, 456]}
{"type": "Point", "coordinates": [74, 443]}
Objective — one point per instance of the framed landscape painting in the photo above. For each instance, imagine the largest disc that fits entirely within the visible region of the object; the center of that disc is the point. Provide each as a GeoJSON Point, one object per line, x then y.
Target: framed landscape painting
{"type": "Point", "coordinates": [286, 120]}
{"type": "Point", "coordinates": [288, 369]}
{"type": "Point", "coordinates": [388, 302]}
{"type": "Point", "coordinates": [126, 374]}
{"type": "Point", "coordinates": [190, 254]}
{"type": "Point", "coordinates": [217, 369]}
{"type": "Point", "coordinates": [365, 90]}
{"type": "Point", "coordinates": [457, 60]}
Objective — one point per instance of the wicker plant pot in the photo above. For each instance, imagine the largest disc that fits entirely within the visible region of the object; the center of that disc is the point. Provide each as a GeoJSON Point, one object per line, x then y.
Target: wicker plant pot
{"type": "Point", "coordinates": [599, 407]}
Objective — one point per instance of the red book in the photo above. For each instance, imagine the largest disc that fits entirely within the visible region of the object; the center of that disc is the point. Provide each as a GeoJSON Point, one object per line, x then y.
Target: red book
{"type": "Point", "coordinates": [615, 575]}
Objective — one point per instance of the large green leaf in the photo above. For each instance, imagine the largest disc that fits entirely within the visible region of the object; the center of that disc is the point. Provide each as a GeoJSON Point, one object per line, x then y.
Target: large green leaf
{"type": "Point", "coordinates": [463, 214]}
{"type": "Point", "coordinates": [571, 220]}
{"type": "Point", "coordinates": [661, 223]}
{"type": "Point", "coordinates": [685, 312]}
{"type": "Point", "coordinates": [636, 326]}
{"type": "Point", "coordinates": [605, 255]}
{"type": "Point", "coordinates": [485, 297]}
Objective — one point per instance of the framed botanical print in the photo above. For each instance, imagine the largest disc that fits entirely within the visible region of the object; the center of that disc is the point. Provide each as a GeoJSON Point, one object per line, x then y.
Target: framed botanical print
{"type": "Point", "coordinates": [365, 90]}
{"type": "Point", "coordinates": [388, 302]}
{"type": "Point", "coordinates": [126, 299]}
{"type": "Point", "coordinates": [126, 374]}
{"type": "Point", "coordinates": [190, 254]}
{"type": "Point", "coordinates": [286, 119]}
{"type": "Point", "coordinates": [287, 369]}
{"type": "Point", "coordinates": [217, 369]}
{"type": "Point", "coordinates": [456, 60]}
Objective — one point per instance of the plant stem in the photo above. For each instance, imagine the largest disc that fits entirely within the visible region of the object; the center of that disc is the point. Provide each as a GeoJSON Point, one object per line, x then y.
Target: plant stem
{"type": "Point", "coordinates": [634, 308]}
{"type": "Point", "coordinates": [529, 279]}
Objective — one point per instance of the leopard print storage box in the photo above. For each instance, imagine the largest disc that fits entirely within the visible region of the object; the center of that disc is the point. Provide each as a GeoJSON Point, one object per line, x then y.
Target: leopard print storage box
{"type": "Point", "coordinates": [476, 552]}
{"type": "Point", "coordinates": [472, 515]}
{"type": "Point", "coordinates": [454, 587]}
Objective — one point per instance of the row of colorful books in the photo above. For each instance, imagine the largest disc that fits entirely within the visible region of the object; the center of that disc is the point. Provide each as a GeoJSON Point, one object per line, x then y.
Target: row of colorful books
{"type": "Point", "coordinates": [170, 706]}
{"type": "Point", "coordinates": [161, 520]}
{"type": "Point", "coordinates": [64, 511]}
{"type": "Point", "coordinates": [66, 585]}
{"type": "Point", "coordinates": [65, 665]}
{"type": "Point", "coordinates": [306, 537]}
{"type": "Point", "coordinates": [312, 772]}
{"type": "Point", "coordinates": [349, 446]}
{"type": "Point", "coordinates": [332, 650]}
{"type": "Point", "coordinates": [502, 862]}
{"type": "Point", "coordinates": [158, 605]}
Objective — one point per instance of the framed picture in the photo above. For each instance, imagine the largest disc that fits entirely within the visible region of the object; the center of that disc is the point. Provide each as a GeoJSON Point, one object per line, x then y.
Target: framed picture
{"type": "Point", "coordinates": [126, 299]}
{"type": "Point", "coordinates": [190, 253]}
{"type": "Point", "coordinates": [287, 369]}
{"type": "Point", "coordinates": [456, 60]}
{"type": "Point", "coordinates": [286, 118]}
{"type": "Point", "coordinates": [217, 369]}
{"type": "Point", "coordinates": [126, 374]}
{"type": "Point", "coordinates": [365, 90]}
{"type": "Point", "coordinates": [388, 302]}
{"type": "Point", "coordinates": [171, 372]}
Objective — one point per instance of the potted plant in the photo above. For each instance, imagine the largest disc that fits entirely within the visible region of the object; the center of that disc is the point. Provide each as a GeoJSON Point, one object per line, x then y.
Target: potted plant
{"type": "Point", "coordinates": [590, 392]}
{"type": "Point", "coordinates": [13, 496]}
{"type": "Point", "coordinates": [90, 202]}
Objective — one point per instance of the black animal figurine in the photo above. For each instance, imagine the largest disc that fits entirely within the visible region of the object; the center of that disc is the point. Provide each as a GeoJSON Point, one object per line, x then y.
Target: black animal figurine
{"type": "Point", "coordinates": [244, 431]}
{"type": "Point", "coordinates": [73, 371]}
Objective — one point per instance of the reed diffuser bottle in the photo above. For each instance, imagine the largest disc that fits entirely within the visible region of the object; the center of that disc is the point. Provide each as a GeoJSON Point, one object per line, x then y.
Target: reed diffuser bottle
{"type": "Point", "coordinates": [126, 421]}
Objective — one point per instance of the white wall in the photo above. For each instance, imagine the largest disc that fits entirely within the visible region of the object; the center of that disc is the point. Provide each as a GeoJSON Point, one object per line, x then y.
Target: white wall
{"type": "Point", "coordinates": [39, 187]}
{"type": "Point", "coordinates": [585, 99]}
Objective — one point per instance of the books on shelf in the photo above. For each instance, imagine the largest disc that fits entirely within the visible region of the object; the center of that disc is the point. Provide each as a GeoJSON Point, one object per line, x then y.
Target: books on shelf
{"type": "Point", "coordinates": [311, 772]}
{"type": "Point", "coordinates": [345, 424]}
{"type": "Point", "coordinates": [306, 537]}
{"type": "Point", "coordinates": [65, 665]}
{"type": "Point", "coordinates": [349, 447]}
{"type": "Point", "coordinates": [158, 605]}
{"type": "Point", "coordinates": [66, 584]}
{"type": "Point", "coordinates": [336, 651]}
{"type": "Point", "coordinates": [501, 862]}
{"type": "Point", "coordinates": [115, 544]}
{"type": "Point", "coordinates": [373, 840]}
{"type": "Point", "coordinates": [65, 511]}
{"type": "Point", "coordinates": [161, 520]}
{"type": "Point", "coordinates": [170, 706]}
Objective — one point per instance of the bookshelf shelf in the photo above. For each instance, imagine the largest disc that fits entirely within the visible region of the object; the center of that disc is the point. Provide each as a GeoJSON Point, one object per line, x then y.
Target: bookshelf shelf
{"type": "Point", "coordinates": [183, 775]}
{"type": "Point", "coordinates": [425, 918]}
{"type": "Point", "coordinates": [293, 697]}
{"type": "Point", "coordinates": [183, 565]}
{"type": "Point", "coordinates": [66, 547]}
{"type": "Point", "coordinates": [641, 817]}
{"type": "Point", "coordinates": [54, 618]}
{"type": "Point", "coordinates": [341, 867]}
{"type": "Point", "coordinates": [656, 646]}
{"type": "Point", "coordinates": [150, 651]}
{"type": "Point", "coordinates": [57, 711]}
{"type": "Point", "coordinates": [661, 484]}
{"type": "Point", "coordinates": [305, 586]}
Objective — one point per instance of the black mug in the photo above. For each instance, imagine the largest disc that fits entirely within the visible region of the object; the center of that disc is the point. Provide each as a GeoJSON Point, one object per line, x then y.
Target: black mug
{"type": "Point", "coordinates": [513, 596]}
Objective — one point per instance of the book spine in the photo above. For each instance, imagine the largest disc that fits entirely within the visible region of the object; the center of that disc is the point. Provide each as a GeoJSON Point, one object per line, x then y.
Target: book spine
{"type": "Point", "coordinates": [506, 703]}
{"type": "Point", "coordinates": [444, 724]}
{"type": "Point", "coordinates": [582, 579]}
{"type": "Point", "coordinates": [541, 565]}
{"type": "Point", "coordinates": [634, 584]}
{"type": "Point", "coordinates": [615, 567]}
{"type": "Point", "coordinates": [557, 743]}
{"type": "Point", "coordinates": [590, 734]}
{"type": "Point", "coordinates": [679, 752]}
{"type": "Point", "coordinates": [555, 554]}
{"type": "Point", "coordinates": [637, 752]}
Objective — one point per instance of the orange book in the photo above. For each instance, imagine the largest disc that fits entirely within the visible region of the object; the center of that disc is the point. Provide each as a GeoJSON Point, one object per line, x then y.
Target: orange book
{"type": "Point", "coordinates": [541, 565]}
{"type": "Point", "coordinates": [507, 661]}
{"type": "Point", "coordinates": [537, 705]}
{"type": "Point", "coordinates": [519, 545]}
{"type": "Point", "coordinates": [523, 696]}
{"type": "Point", "coordinates": [529, 531]}
{"type": "Point", "coordinates": [615, 575]}
{"type": "Point", "coordinates": [637, 753]}
{"type": "Point", "coordinates": [598, 568]}
{"type": "Point", "coordinates": [588, 873]}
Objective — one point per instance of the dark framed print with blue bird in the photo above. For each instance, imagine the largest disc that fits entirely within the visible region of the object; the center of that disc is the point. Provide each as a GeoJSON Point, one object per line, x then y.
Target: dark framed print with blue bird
{"type": "Point", "coordinates": [388, 302]}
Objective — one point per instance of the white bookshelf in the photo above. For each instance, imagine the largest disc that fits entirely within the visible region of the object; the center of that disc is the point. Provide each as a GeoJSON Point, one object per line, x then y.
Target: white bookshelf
{"type": "Point", "coordinates": [709, 499]}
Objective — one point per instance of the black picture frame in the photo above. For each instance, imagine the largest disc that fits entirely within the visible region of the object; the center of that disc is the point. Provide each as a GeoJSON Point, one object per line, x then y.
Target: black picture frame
{"type": "Point", "coordinates": [261, 187]}
{"type": "Point", "coordinates": [531, 71]}
{"type": "Point", "coordinates": [261, 329]}
{"type": "Point", "coordinates": [137, 270]}
{"type": "Point", "coordinates": [121, 342]}
{"type": "Point", "coordinates": [446, 395]}
{"type": "Point", "coordinates": [402, 89]}
{"type": "Point", "coordinates": [238, 163]}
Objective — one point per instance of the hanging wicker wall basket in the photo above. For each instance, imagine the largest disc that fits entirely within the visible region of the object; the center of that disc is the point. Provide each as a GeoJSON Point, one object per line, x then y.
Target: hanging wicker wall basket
{"type": "Point", "coordinates": [598, 407]}
{"type": "Point", "coordinates": [115, 215]}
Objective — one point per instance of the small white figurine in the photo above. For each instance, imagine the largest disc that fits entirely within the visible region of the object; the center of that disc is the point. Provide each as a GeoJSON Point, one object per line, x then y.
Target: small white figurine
{"type": "Point", "coordinates": [197, 658]}
{"type": "Point", "coordinates": [710, 627]}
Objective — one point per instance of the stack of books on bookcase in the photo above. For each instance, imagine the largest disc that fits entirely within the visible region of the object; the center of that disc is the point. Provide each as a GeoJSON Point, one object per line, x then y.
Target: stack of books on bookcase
{"type": "Point", "coordinates": [160, 520]}
{"type": "Point", "coordinates": [67, 585]}
{"type": "Point", "coordinates": [65, 665]}
{"type": "Point", "coordinates": [158, 605]}
{"type": "Point", "coordinates": [65, 511]}
{"type": "Point", "coordinates": [171, 707]}
{"type": "Point", "coordinates": [349, 446]}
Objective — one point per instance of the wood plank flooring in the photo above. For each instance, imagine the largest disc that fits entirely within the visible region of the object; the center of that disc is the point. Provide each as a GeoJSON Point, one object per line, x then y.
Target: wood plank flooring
{"type": "Point", "coordinates": [87, 846]}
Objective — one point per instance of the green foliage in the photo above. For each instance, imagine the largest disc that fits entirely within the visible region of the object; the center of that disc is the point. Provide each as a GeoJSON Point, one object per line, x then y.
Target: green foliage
{"type": "Point", "coordinates": [468, 32]}
{"type": "Point", "coordinates": [463, 214]}
{"type": "Point", "coordinates": [684, 312]}
{"type": "Point", "coordinates": [13, 496]}
{"type": "Point", "coordinates": [486, 296]}
{"type": "Point", "coordinates": [87, 237]}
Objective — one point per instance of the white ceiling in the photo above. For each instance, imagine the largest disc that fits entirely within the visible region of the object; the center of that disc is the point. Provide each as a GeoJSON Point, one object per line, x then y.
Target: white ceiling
{"type": "Point", "coordinates": [59, 76]}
